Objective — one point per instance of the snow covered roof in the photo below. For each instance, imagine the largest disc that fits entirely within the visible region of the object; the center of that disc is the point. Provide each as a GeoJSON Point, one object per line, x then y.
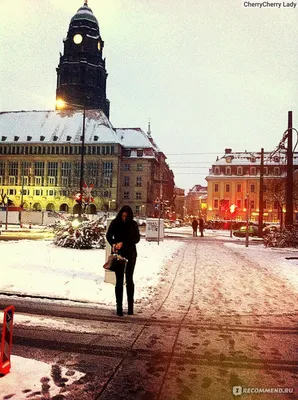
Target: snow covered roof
{"type": "Point", "coordinates": [250, 158]}
{"type": "Point", "coordinates": [67, 126]}
{"type": "Point", "coordinates": [135, 138]}
{"type": "Point", "coordinates": [56, 126]}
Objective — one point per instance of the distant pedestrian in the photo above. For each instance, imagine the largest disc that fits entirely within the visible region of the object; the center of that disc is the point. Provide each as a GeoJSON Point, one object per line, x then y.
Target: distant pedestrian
{"type": "Point", "coordinates": [201, 226]}
{"type": "Point", "coordinates": [123, 234]}
{"type": "Point", "coordinates": [194, 225]}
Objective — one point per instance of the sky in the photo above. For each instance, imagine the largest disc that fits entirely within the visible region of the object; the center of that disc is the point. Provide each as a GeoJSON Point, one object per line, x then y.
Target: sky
{"type": "Point", "coordinates": [81, 281]}
{"type": "Point", "coordinates": [209, 75]}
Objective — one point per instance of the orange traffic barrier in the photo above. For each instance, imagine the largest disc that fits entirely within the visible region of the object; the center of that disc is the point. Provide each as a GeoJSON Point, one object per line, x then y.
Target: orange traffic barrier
{"type": "Point", "coordinates": [6, 340]}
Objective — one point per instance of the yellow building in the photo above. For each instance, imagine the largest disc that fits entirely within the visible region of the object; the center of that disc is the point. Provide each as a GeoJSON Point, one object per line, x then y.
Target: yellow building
{"type": "Point", "coordinates": [234, 179]}
{"type": "Point", "coordinates": [41, 163]}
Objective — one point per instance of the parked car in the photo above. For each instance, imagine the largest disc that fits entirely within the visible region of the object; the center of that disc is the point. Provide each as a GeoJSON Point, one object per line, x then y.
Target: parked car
{"type": "Point", "coordinates": [253, 230]}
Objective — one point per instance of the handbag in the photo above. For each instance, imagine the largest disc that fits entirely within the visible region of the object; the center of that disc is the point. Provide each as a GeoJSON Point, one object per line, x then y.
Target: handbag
{"type": "Point", "coordinates": [114, 262]}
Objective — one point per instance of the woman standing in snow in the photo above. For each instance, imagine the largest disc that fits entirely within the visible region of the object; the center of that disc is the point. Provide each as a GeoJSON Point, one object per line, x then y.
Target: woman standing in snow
{"type": "Point", "coordinates": [123, 234]}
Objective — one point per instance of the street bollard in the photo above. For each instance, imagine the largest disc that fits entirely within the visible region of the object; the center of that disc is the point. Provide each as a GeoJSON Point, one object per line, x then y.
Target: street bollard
{"type": "Point", "coordinates": [6, 340]}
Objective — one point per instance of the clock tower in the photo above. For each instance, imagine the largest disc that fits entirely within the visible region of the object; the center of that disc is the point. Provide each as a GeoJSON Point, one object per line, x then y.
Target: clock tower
{"type": "Point", "coordinates": [81, 73]}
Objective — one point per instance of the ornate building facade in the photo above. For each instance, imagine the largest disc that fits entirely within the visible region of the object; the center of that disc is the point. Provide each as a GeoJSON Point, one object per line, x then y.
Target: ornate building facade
{"type": "Point", "coordinates": [234, 179]}
{"type": "Point", "coordinates": [43, 153]}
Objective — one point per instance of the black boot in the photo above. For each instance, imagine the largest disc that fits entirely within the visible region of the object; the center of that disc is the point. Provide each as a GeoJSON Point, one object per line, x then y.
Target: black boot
{"type": "Point", "coordinates": [119, 300]}
{"type": "Point", "coordinates": [130, 295]}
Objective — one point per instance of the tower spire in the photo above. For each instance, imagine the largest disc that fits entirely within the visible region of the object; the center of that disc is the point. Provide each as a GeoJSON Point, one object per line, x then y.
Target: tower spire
{"type": "Point", "coordinates": [149, 128]}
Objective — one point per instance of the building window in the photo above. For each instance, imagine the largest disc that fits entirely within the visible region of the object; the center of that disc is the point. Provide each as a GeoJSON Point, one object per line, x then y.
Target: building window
{"type": "Point", "coordinates": [265, 170]}
{"type": "Point", "coordinates": [276, 171]}
{"type": "Point", "coordinates": [252, 204]}
{"type": "Point", "coordinates": [13, 168]}
{"type": "Point", "coordinates": [215, 203]}
{"type": "Point", "coordinates": [239, 171]}
{"type": "Point", "coordinates": [227, 188]}
{"type": "Point", "coordinates": [139, 167]}
{"type": "Point", "coordinates": [126, 167]}
{"type": "Point", "coordinates": [2, 168]}
{"type": "Point", "coordinates": [276, 205]}
{"type": "Point", "coordinates": [11, 180]}
{"type": "Point", "coordinates": [126, 195]}
{"type": "Point", "coordinates": [139, 181]}
{"type": "Point", "coordinates": [53, 169]}
{"type": "Point", "coordinates": [139, 153]}
{"type": "Point", "coordinates": [107, 174]}
{"type": "Point", "coordinates": [38, 169]}
{"type": "Point", "coordinates": [138, 209]}
{"type": "Point", "coordinates": [38, 180]}
{"type": "Point", "coordinates": [239, 203]}
{"type": "Point", "coordinates": [64, 181]}
{"type": "Point", "coordinates": [216, 187]}
{"type": "Point", "coordinates": [239, 187]}
{"type": "Point", "coordinates": [138, 195]}
{"type": "Point", "coordinates": [216, 170]}
{"type": "Point", "coordinates": [228, 171]}
{"type": "Point", "coordinates": [252, 188]}
{"type": "Point", "coordinates": [253, 171]}
{"type": "Point", "coordinates": [127, 153]}
{"type": "Point", "coordinates": [92, 171]}
{"type": "Point", "coordinates": [126, 181]}
{"type": "Point", "coordinates": [66, 169]}
{"type": "Point", "coordinates": [51, 180]}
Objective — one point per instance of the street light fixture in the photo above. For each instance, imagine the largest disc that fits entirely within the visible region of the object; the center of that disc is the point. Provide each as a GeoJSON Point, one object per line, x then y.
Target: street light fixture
{"type": "Point", "coordinates": [60, 104]}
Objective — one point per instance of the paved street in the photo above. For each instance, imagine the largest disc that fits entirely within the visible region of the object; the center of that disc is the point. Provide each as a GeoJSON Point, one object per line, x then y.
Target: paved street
{"type": "Point", "coordinates": [211, 326]}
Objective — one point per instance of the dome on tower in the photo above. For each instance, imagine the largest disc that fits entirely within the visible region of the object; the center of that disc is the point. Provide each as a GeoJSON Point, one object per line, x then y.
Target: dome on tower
{"type": "Point", "coordinates": [84, 13]}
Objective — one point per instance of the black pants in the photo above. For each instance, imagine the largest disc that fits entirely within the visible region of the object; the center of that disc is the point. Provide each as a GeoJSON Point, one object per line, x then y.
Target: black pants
{"type": "Point", "coordinates": [129, 281]}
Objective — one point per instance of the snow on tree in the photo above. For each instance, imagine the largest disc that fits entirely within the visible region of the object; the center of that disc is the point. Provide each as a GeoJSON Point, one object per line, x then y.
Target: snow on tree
{"type": "Point", "coordinates": [78, 234]}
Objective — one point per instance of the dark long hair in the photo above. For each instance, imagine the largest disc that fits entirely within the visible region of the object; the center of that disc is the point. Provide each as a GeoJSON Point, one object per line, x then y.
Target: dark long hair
{"type": "Point", "coordinates": [129, 212]}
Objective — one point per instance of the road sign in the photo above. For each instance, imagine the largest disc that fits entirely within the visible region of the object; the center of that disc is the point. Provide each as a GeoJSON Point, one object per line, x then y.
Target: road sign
{"type": "Point", "coordinates": [6, 340]}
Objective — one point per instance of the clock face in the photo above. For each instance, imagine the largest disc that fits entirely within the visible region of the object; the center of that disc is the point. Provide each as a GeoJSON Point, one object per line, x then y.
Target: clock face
{"type": "Point", "coordinates": [98, 45]}
{"type": "Point", "coordinates": [77, 38]}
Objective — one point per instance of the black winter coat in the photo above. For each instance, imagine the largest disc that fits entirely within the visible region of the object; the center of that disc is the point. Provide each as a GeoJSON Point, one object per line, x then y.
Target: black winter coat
{"type": "Point", "coordinates": [126, 232]}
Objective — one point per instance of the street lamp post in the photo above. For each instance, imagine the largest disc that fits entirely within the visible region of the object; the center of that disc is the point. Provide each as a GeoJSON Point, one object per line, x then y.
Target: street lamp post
{"type": "Point", "coordinates": [61, 104]}
{"type": "Point", "coordinates": [22, 192]}
{"type": "Point", "coordinates": [82, 164]}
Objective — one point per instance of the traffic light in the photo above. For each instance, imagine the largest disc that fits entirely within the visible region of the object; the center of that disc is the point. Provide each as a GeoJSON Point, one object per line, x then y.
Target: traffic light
{"type": "Point", "coordinates": [78, 197]}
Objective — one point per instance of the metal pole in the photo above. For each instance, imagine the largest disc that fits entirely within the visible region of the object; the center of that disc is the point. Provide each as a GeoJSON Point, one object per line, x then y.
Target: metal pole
{"type": "Point", "coordinates": [289, 189]}
{"type": "Point", "coordinates": [22, 190]}
{"type": "Point", "coordinates": [247, 218]}
{"type": "Point", "coordinates": [261, 195]}
{"type": "Point", "coordinates": [160, 201]}
{"type": "Point", "coordinates": [6, 214]}
{"type": "Point", "coordinates": [82, 164]}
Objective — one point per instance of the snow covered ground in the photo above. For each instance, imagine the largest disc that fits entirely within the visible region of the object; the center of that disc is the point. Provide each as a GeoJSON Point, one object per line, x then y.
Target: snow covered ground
{"type": "Point", "coordinates": [39, 268]}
